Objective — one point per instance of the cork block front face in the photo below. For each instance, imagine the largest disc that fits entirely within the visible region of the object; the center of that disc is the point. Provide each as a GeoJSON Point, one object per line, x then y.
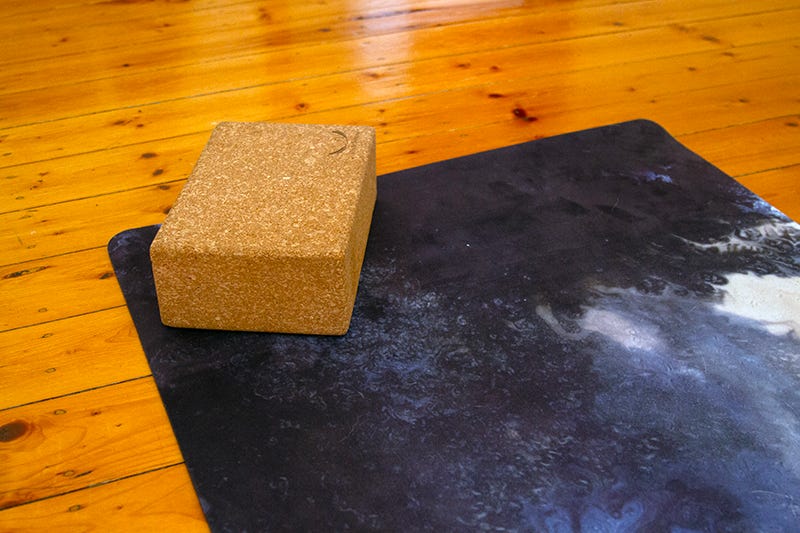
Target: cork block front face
{"type": "Point", "coordinates": [269, 232]}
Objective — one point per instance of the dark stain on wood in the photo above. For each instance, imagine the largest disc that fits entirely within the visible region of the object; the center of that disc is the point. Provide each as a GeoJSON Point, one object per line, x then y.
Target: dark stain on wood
{"type": "Point", "coordinates": [521, 114]}
{"type": "Point", "coordinates": [25, 272]}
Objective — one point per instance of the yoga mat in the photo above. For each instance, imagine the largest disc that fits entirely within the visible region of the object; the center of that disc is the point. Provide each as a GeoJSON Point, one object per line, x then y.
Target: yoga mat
{"type": "Point", "coordinates": [591, 332]}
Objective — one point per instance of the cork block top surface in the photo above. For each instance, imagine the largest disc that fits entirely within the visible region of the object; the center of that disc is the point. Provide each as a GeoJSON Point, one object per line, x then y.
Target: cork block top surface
{"type": "Point", "coordinates": [269, 189]}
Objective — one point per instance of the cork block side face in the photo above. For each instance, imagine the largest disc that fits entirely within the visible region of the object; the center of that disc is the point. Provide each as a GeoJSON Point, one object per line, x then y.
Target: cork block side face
{"type": "Point", "coordinates": [291, 295]}
{"type": "Point", "coordinates": [269, 232]}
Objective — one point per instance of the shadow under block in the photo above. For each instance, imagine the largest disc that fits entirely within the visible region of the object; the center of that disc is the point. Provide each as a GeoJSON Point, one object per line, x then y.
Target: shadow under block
{"type": "Point", "coordinates": [269, 231]}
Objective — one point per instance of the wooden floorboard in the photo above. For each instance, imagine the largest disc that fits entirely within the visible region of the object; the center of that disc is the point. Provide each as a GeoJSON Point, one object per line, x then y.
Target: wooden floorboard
{"type": "Point", "coordinates": [58, 358]}
{"type": "Point", "coordinates": [117, 506]}
{"type": "Point", "coordinates": [31, 184]}
{"type": "Point", "coordinates": [82, 440]}
{"type": "Point", "coordinates": [85, 283]}
{"type": "Point", "coordinates": [106, 105]}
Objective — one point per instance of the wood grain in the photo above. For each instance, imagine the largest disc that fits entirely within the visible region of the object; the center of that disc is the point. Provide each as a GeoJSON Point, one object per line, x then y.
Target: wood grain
{"type": "Point", "coordinates": [99, 172]}
{"type": "Point", "coordinates": [138, 165]}
{"type": "Point", "coordinates": [454, 110]}
{"type": "Point", "coordinates": [80, 441]}
{"type": "Point", "coordinates": [85, 283]}
{"type": "Point", "coordinates": [383, 52]}
{"type": "Point", "coordinates": [63, 356]}
{"type": "Point", "coordinates": [161, 500]}
{"type": "Point", "coordinates": [105, 106]}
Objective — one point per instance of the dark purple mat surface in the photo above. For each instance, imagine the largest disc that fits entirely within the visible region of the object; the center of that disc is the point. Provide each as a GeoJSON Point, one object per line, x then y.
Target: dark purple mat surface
{"type": "Point", "coordinates": [592, 332]}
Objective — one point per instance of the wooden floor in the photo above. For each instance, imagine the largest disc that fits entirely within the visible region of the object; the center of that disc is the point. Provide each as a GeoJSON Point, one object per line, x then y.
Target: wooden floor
{"type": "Point", "coordinates": [105, 106]}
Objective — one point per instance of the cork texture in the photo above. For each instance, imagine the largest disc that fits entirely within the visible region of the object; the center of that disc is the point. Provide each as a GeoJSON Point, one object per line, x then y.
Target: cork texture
{"type": "Point", "coordinates": [269, 232]}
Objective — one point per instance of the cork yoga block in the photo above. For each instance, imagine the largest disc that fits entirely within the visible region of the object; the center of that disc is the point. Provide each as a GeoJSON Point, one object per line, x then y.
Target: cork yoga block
{"type": "Point", "coordinates": [269, 232]}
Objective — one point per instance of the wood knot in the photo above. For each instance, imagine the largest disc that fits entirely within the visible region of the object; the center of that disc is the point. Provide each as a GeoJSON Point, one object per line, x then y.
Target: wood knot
{"type": "Point", "coordinates": [13, 430]}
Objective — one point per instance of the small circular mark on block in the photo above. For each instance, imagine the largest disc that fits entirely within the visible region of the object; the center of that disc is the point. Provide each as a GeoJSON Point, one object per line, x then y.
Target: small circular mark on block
{"type": "Point", "coordinates": [344, 146]}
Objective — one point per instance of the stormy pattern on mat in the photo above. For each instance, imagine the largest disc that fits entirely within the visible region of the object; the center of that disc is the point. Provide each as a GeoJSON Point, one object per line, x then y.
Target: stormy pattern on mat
{"type": "Point", "coordinates": [595, 332]}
